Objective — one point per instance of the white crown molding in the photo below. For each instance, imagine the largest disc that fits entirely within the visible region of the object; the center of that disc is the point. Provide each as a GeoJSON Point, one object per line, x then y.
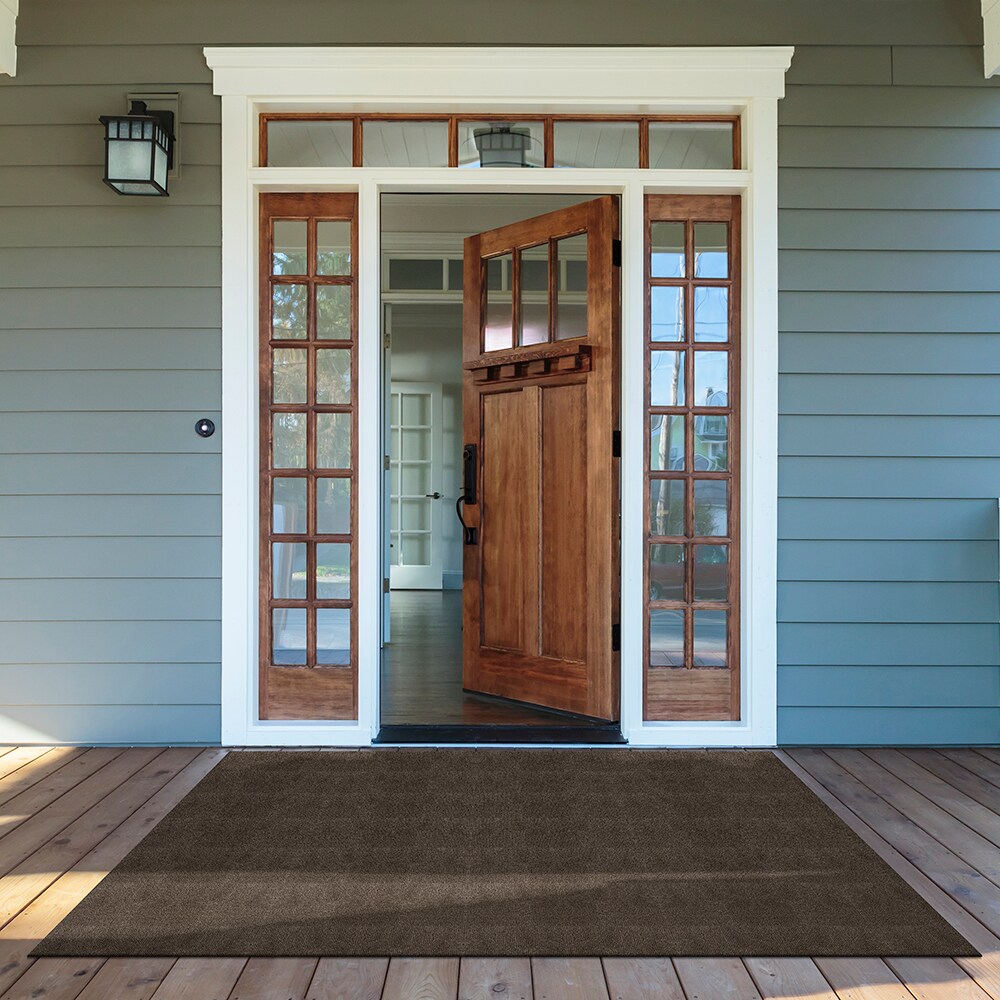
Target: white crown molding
{"type": "Point", "coordinates": [8, 45]}
{"type": "Point", "coordinates": [991, 37]}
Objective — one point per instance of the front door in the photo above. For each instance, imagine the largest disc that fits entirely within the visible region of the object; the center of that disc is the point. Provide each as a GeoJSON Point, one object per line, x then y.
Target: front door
{"type": "Point", "coordinates": [540, 419]}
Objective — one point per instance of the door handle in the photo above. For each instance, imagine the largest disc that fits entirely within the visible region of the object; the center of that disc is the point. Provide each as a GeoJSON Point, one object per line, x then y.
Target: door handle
{"type": "Point", "coordinates": [468, 492]}
{"type": "Point", "coordinates": [469, 535]}
{"type": "Point", "coordinates": [432, 496]}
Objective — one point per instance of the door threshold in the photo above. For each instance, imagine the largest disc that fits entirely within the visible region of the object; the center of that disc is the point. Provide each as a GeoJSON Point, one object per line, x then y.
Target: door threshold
{"type": "Point", "coordinates": [494, 734]}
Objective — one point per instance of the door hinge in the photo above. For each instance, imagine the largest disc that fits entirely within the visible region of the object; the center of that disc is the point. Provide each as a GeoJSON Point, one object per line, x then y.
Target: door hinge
{"type": "Point", "coordinates": [616, 444]}
{"type": "Point", "coordinates": [387, 341]}
{"type": "Point", "coordinates": [616, 638]}
{"type": "Point", "coordinates": [616, 253]}
{"type": "Point", "coordinates": [385, 585]}
{"type": "Point", "coordinates": [385, 462]}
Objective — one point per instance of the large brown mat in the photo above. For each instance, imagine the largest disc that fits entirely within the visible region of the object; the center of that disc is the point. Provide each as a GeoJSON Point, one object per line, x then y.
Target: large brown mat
{"type": "Point", "coordinates": [502, 852]}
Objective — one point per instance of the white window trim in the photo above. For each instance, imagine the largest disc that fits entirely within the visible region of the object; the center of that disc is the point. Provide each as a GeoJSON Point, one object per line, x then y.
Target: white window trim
{"type": "Point", "coordinates": [991, 37]}
{"type": "Point", "coordinates": [8, 43]}
{"type": "Point", "coordinates": [747, 81]}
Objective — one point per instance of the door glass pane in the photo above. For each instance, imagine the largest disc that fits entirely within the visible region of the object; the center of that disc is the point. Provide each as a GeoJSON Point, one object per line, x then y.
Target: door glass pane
{"type": "Point", "coordinates": [415, 409]}
{"type": "Point", "coordinates": [666, 638]}
{"type": "Point", "coordinates": [666, 572]}
{"type": "Point", "coordinates": [711, 572]}
{"type": "Point", "coordinates": [501, 144]}
{"type": "Point", "coordinates": [288, 506]}
{"type": "Point", "coordinates": [666, 441]}
{"type": "Point", "coordinates": [711, 507]}
{"type": "Point", "coordinates": [666, 507]}
{"type": "Point", "coordinates": [404, 144]}
{"type": "Point", "coordinates": [289, 307]}
{"type": "Point", "coordinates": [333, 247]}
{"type": "Point", "coordinates": [333, 571]}
{"type": "Point", "coordinates": [289, 253]}
{"type": "Point", "coordinates": [499, 313]}
{"type": "Point", "coordinates": [415, 480]}
{"type": "Point", "coordinates": [333, 312]}
{"type": "Point", "coordinates": [710, 638]}
{"type": "Point", "coordinates": [666, 313]}
{"type": "Point", "coordinates": [666, 387]}
{"type": "Point", "coordinates": [711, 443]}
{"type": "Point", "coordinates": [691, 145]}
{"type": "Point", "coordinates": [288, 569]}
{"type": "Point", "coordinates": [289, 440]}
{"type": "Point", "coordinates": [666, 245]}
{"type": "Point", "coordinates": [288, 383]}
{"type": "Point", "coordinates": [415, 515]}
{"type": "Point", "coordinates": [711, 314]}
{"type": "Point", "coordinates": [310, 144]}
{"type": "Point", "coordinates": [416, 550]}
{"type": "Point", "coordinates": [711, 378]}
{"type": "Point", "coordinates": [711, 250]}
{"type": "Point", "coordinates": [571, 304]}
{"type": "Point", "coordinates": [596, 144]}
{"type": "Point", "coordinates": [535, 295]}
{"type": "Point", "coordinates": [288, 636]}
{"type": "Point", "coordinates": [333, 637]}
{"type": "Point", "coordinates": [333, 376]}
{"type": "Point", "coordinates": [416, 444]}
{"type": "Point", "coordinates": [333, 506]}
{"type": "Point", "coordinates": [333, 440]}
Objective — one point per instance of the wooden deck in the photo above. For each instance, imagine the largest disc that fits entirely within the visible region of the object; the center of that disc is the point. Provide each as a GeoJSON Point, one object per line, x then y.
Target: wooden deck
{"type": "Point", "coordinates": [68, 815]}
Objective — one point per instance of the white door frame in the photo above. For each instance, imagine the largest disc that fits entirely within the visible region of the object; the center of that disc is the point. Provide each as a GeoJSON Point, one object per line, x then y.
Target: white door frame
{"type": "Point", "coordinates": [744, 81]}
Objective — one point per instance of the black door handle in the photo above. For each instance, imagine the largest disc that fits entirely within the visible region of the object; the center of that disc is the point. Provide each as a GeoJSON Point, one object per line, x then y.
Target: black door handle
{"type": "Point", "coordinates": [469, 534]}
{"type": "Point", "coordinates": [469, 473]}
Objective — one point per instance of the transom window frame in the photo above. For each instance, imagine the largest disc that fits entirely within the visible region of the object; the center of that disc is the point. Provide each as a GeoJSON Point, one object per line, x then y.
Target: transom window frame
{"type": "Point", "coordinates": [743, 81]}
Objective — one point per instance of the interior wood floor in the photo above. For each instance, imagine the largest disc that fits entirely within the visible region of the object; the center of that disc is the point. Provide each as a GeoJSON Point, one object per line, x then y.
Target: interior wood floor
{"type": "Point", "coordinates": [422, 669]}
{"type": "Point", "coordinates": [69, 814]}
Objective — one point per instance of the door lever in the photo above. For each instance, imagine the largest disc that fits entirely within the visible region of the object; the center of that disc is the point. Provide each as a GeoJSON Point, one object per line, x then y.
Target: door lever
{"type": "Point", "coordinates": [468, 491]}
{"type": "Point", "coordinates": [432, 496]}
{"type": "Point", "coordinates": [469, 534]}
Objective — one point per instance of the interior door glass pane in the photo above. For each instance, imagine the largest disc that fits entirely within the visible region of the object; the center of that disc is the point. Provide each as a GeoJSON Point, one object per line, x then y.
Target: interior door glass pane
{"type": "Point", "coordinates": [333, 506]}
{"type": "Point", "coordinates": [711, 250]}
{"type": "Point", "coordinates": [288, 383]}
{"type": "Point", "coordinates": [666, 572]}
{"type": "Point", "coordinates": [415, 515]}
{"type": "Point", "coordinates": [288, 570]}
{"type": "Point", "coordinates": [289, 252]}
{"type": "Point", "coordinates": [666, 638]}
{"type": "Point", "coordinates": [333, 637]}
{"type": "Point", "coordinates": [535, 295]}
{"type": "Point", "coordinates": [416, 444]}
{"type": "Point", "coordinates": [596, 144]}
{"type": "Point", "coordinates": [711, 572]}
{"type": "Point", "coordinates": [288, 446]}
{"type": "Point", "coordinates": [711, 443]}
{"type": "Point", "coordinates": [289, 308]}
{"type": "Point", "coordinates": [711, 507]}
{"type": "Point", "coordinates": [501, 144]}
{"type": "Point", "coordinates": [711, 378]}
{"type": "Point", "coordinates": [415, 480]}
{"type": "Point", "coordinates": [666, 441]}
{"type": "Point", "coordinates": [415, 551]}
{"type": "Point", "coordinates": [691, 145]}
{"type": "Point", "coordinates": [333, 376]}
{"type": "Point", "coordinates": [710, 638]}
{"type": "Point", "coordinates": [310, 144]}
{"type": "Point", "coordinates": [666, 313]}
{"type": "Point", "coordinates": [666, 378]}
{"type": "Point", "coordinates": [333, 440]}
{"type": "Point", "coordinates": [666, 507]}
{"type": "Point", "coordinates": [667, 250]}
{"type": "Point", "coordinates": [333, 312]}
{"type": "Point", "coordinates": [571, 303]}
{"type": "Point", "coordinates": [416, 274]}
{"type": "Point", "coordinates": [416, 409]}
{"type": "Point", "coordinates": [288, 636]}
{"type": "Point", "coordinates": [499, 312]}
{"type": "Point", "coordinates": [456, 275]}
{"type": "Point", "coordinates": [333, 571]}
{"type": "Point", "coordinates": [333, 247]}
{"type": "Point", "coordinates": [288, 506]}
{"type": "Point", "coordinates": [404, 144]}
{"type": "Point", "coordinates": [711, 314]}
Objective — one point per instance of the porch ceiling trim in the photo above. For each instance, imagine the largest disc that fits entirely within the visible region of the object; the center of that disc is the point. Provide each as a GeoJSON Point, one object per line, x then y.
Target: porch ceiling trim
{"type": "Point", "coordinates": [8, 46]}
{"type": "Point", "coordinates": [991, 36]}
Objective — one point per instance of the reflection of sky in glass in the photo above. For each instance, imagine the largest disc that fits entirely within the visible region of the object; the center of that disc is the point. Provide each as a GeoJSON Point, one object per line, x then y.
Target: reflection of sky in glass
{"type": "Point", "coordinates": [711, 314]}
{"type": "Point", "coordinates": [666, 249]}
{"type": "Point", "coordinates": [667, 378]}
{"type": "Point", "coordinates": [711, 378]}
{"type": "Point", "coordinates": [288, 567]}
{"type": "Point", "coordinates": [711, 254]}
{"type": "Point", "coordinates": [666, 441]}
{"type": "Point", "coordinates": [666, 313]}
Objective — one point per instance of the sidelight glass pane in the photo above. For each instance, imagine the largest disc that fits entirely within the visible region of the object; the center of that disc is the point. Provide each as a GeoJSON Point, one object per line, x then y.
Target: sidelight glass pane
{"type": "Point", "coordinates": [288, 381]}
{"type": "Point", "coordinates": [666, 441]}
{"type": "Point", "coordinates": [571, 302]}
{"type": "Point", "coordinates": [333, 376]}
{"type": "Point", "coordinates": [666, 378]}
{"type": "Point", "coordinates": [711, 443]}
{"type": "Point", "coordinates": [501, 144]}
{"type": "Point", "coordinates": [596, 144]}
{"type": "Point", "coordinates": [288, 506]}
{"type": "Point", "coordinates": [667, 250]}
{"type": "Point", "coordinates": [711, 507]}
{"type": "Point", "coordinates": [333, 637]}
{"type": "Point", "coordinates": [289, 250]}
{"type": "Point", "coordinates": [666, 572]}
{"type": "Point", "coordinates": [333, 247]}
{"type": "Point", "coordinates": [666, 313]}
{"type": "Point", "coordinates": [333, 440]}
{"type": "Point", "coordinates": [666, 507]}
{"type": "Point", "coordinates": [333, 506]}
{"type": "Point", "coordinates": [709, 638]}
{"type": "Point", "coordinates": [499, 312]}
{"type": "Point", "coordinates": [691, 145]}
{"type": "Point", "coordinates": [288, 446]}
{"type": "Point", "coordinates": [404, 144]}
{"type": "Point", "coordinates": [288, 636]}
{"type": "Point", "coordinates": [288, 570]}
{"type": "Point", "coordinates": [310, 143]}
{"type": "Point", "coordinates": [534, 295]}
{"type": "Point", "coordinates": [456, 275]}
{"type": "Point", "coordinates": [333, 571]}
{"type": "Point", "coordinates": [711, 572]}
{"type": "Point", "coordinates": [711, 250]}
{"type": "Point", "coordinates": [289, 311]}
{"type": "Point", "coordinates": [333, 312]}
{"type": "Point", "coordinates": [711, 378]}
{"type": "Point", "coordinates": [416, 274]}
{"type": "Point", "coordinates": [666, 638]}
{"type": "Point", "coordinates": [711, 314]}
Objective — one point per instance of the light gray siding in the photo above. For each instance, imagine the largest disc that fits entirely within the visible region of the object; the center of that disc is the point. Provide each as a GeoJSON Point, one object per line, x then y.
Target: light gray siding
{"type": "Point", "coordinates": [889, 148]}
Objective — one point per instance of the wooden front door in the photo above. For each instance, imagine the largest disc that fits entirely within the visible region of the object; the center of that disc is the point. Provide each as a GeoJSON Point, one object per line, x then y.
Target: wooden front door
{"type": "Point", "coordinates": [540, 419]}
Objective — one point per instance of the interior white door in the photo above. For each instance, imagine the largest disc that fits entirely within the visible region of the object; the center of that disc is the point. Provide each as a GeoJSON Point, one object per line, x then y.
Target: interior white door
{"type": "Point", "coordinates": [415, 476]}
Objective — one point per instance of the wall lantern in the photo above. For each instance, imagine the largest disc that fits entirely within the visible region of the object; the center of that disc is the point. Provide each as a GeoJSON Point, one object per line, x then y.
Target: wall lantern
{"type": "Point", "coordinates": [138, 150]}
{"type": "Point", "coordinates": [502, 145]}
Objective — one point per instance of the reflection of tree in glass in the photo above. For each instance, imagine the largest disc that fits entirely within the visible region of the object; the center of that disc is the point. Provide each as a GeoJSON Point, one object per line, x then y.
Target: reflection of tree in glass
{"type": "Point", "coordinates": [333, 376]}
{"type": "Point", "coordinates": [333, 312]}
{"type": "Point", "coordinates": [288, 312]}
{"type": "Point", "coordinates": [289, 379]}
{"type": "Point", "coordinates": [289, 443]}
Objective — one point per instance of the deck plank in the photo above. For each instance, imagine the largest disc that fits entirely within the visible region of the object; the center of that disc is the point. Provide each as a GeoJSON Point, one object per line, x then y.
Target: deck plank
{"type": "Point", "coordinates": [271, 978]}
{"type": "Point", "coordinates": [35, 770]}
{"type": "Point", "coordinates": [983, 791]}
{"type": "Point", "coordinates": [642, 979]}
{"type": "Point", "coordinates": [16, 757]}
{"type": "Point", "coordinates": [715, 979]}
{"type": "Point", "coordinates": [788, 979]}
{"type": "Point", "coordinates": [421, 979]}
{"type": "Point", "coordinates": [348, 979]}
{"type": "Point", "coordinates": [54, 979]}
{"type": "Point", "coordinates": [127, 979]}
{"type": "Point", "coordinates": [495, 979]}
{"type": "Point", "coordinates": [976, 763]}
{"type": "Point", "coordinates": [862, 979]}
{"type": "Point", "coordinates": [200, 979]}
{"type": "Point", "coordinates": [568, 979]}
{"type": "Point", "coordinates": [935, 979]}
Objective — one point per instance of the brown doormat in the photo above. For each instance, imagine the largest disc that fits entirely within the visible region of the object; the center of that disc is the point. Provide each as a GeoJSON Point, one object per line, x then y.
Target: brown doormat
{"type": "Point", "coordinates": [502, 852]}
